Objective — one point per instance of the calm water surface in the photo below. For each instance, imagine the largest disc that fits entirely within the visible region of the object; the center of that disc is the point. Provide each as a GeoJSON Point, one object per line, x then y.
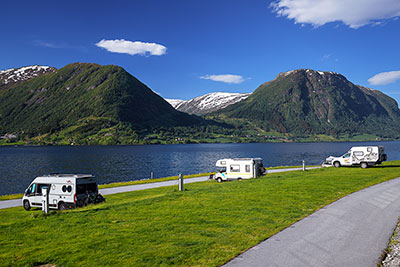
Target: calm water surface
{"type": "Point", "coordinates": [19, 165]}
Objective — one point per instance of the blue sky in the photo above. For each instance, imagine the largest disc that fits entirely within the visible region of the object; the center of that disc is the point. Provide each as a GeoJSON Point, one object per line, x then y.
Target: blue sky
{"type": "Point", "coordinates": [179, 48]}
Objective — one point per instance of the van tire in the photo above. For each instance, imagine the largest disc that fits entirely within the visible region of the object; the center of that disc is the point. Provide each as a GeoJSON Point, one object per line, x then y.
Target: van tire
{"type": "Point", "coordinates": [364, 165]}
{"type": "Point", "coordinates": [336, 164]}
{"type": "Point", "coordinates": [61, 206]}
{"type": "Point", "coordinates": [27, 206]}
{"type": "Point", "coordinates": [219, 180]}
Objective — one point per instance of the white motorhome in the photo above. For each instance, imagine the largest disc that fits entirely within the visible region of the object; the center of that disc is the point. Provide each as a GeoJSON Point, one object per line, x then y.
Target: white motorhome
{"type": "Point", "coordinates": [64, 191]}
{"type": "Point", "coordinates": [359, 155]}
{"type": "Point", "coordinates": [239, 168]}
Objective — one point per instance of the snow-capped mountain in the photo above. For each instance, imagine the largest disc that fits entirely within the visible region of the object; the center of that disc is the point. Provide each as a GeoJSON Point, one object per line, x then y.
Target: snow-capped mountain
{"type": "Point", "coordinates": [207, 103]}
{"type": "Point", "coordinates": [13, 76]}
{"type": "Point", "coordinates": [175, 102]}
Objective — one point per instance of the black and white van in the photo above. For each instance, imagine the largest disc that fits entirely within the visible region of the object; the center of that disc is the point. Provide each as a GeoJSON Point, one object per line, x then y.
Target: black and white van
{"type": "Point", "coordinates": [64, 190]}
{"type": "Point", "coordinates": [364, 156]}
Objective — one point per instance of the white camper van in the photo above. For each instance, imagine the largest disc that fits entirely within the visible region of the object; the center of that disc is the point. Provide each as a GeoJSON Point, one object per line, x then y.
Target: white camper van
{"type": "Point", "coordinates": [239, 168]}
{"type": "Point", "coordinates": [64, 190]}
{"type": "Point", "coordinates": [359, 155]}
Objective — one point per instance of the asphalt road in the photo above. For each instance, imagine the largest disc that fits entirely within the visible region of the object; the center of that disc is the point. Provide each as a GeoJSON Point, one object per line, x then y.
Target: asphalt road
{"type": "Point", "coordinates": [114, 190]}
{"type": "Point", "coordinates": [352, 231]}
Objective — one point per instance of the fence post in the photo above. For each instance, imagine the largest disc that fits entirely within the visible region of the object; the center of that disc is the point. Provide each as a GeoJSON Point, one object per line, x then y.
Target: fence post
{"type": "Point", "coordinates": [304, 165]}
{"type": "Point", "coordinates": [151, 175]}
{"type": "Point", "coordinates": [180, 182]}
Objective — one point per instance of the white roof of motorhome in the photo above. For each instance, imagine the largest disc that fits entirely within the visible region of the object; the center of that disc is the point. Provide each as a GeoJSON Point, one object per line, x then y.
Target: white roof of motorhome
{"type": "Point", "coordinates": [364, 147]}
{"type": "Point", "coordinates": [243, 159]}
{"type": "Point", "coordinates": [62, 178]}
{"type": "Point", "coordinates": [59, 175]}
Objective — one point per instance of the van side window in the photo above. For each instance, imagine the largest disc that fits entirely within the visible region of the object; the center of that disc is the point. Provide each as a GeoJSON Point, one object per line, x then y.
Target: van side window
{"type": "Point", "coordinates": [235, 168]}
{"type": "Point", "coordinates": [41, 186]}
{"type": "Point", "coordinates": [247, 168]}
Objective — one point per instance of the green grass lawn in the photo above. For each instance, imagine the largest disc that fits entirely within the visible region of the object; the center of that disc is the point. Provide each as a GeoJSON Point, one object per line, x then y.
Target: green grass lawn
{"type": "Point", "coordinates": [206, 225]}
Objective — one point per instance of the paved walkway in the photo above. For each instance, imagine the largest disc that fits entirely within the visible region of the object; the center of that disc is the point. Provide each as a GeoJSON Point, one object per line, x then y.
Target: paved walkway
{"type": "Point", "coordinates": [352, 231]}
{"type": "Point", "coordinates": [114, 190]}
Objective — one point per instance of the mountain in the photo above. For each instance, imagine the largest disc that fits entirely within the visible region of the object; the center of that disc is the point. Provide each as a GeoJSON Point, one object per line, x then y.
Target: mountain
{"type": "Point", "coordinates": [175, 102]}
{"type": "Point", "coordinates": [207, 103]}
{"type": "Point", "coordinates": [87, 98]}
{"type": "Point", "coordinates": [306, 102]}
{"type": "Point", "coordinates": [11, 77]}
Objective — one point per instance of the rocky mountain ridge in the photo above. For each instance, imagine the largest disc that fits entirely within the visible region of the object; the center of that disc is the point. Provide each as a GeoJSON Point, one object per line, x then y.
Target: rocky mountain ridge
{"type": "Point", "coordinates": [306, 101]}
{"type": "Point", "coordinates": [207, 103]}
{"type": "Point", "coordinates": [14, 76]}
{"type": "Point", "coordinates": [85, 99]}
{"type": "Point", "coordinates": [86, 103]}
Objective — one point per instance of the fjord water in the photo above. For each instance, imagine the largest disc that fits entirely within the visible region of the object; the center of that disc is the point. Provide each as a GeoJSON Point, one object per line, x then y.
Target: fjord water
{"type": "Point", "coordinates": [19, 165]}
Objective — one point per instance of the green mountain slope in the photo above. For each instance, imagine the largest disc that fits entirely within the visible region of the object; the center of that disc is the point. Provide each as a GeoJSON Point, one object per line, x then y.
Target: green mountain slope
{"type": "Point", "coordinates": [307, 102]}
{"type": "Point", "coordinates": [88, 96]}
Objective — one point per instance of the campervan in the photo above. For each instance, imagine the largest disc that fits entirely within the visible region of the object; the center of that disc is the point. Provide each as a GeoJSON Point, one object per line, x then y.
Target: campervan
{"type": "Point", "coordinates": [239, 168]}
{"type": "Point", "coordinates": [359, 155]}
{"type": "Point", "coordinates": [64, 191]}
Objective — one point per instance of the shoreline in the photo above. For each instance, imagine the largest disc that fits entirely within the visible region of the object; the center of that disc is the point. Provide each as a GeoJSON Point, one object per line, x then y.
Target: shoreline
{"type": "Point", "coordinates": [17, 144]}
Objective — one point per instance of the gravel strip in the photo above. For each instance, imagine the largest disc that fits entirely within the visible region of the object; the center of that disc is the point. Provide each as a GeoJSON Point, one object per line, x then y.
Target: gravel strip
{"type": "Point", "coordinates": [392, 258]}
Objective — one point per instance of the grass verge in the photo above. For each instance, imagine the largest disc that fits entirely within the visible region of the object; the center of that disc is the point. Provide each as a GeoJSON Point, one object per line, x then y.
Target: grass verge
{"type": "Point", "coordinates": [117, 184]}
{"type": "Point", "coordinates": [206, 225]}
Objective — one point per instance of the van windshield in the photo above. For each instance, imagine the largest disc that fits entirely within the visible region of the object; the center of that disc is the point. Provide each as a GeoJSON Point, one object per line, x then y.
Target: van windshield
{"type": "Point", "coordinates": [83, 188]}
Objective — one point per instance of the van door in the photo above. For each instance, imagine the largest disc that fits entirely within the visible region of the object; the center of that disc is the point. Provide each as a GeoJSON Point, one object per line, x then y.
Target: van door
{"type": "Point", "coordinates": [346, 160]}
{"type": "Point", "coordinates": [35, 196]}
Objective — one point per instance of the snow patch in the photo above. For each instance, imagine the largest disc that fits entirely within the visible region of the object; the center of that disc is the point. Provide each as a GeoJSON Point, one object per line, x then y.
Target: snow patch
{"type": "Point", "coordinates": [174, 102]}
{"type": "Point", "coordinates": [289, 72]}
{"type": "Point", "coordinates": [22, 74]}
{"type": "Point", "coordinates": [207, 103]}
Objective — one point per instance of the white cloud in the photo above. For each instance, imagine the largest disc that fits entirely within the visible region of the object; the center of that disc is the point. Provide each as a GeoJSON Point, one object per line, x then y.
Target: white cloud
{"type": "Point", "coordinates": [132, 48]}
{"type": "Point", "coordinates": [354, 13]}
{"type": "Point", "coordinates": [385, 78]}
{"type": "Point", "coordinates": [226, 78]}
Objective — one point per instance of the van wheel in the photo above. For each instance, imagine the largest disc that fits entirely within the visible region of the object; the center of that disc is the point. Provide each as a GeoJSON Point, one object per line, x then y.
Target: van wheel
{"type": "Point", "coordinates": [364, 165]}
{"type": "Point", "coordinates": [61, 206]}
{"type": "Point", "coordinates": [27, 206]}
{"type": "Point", "coordinates": [336, 164]}
{"type": "Point", "coordinates": [219, 180]}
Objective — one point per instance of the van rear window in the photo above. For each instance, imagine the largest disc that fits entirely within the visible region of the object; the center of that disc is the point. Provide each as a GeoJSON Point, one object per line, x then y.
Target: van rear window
{"type": "Point", "coordinates": [83, 188]}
